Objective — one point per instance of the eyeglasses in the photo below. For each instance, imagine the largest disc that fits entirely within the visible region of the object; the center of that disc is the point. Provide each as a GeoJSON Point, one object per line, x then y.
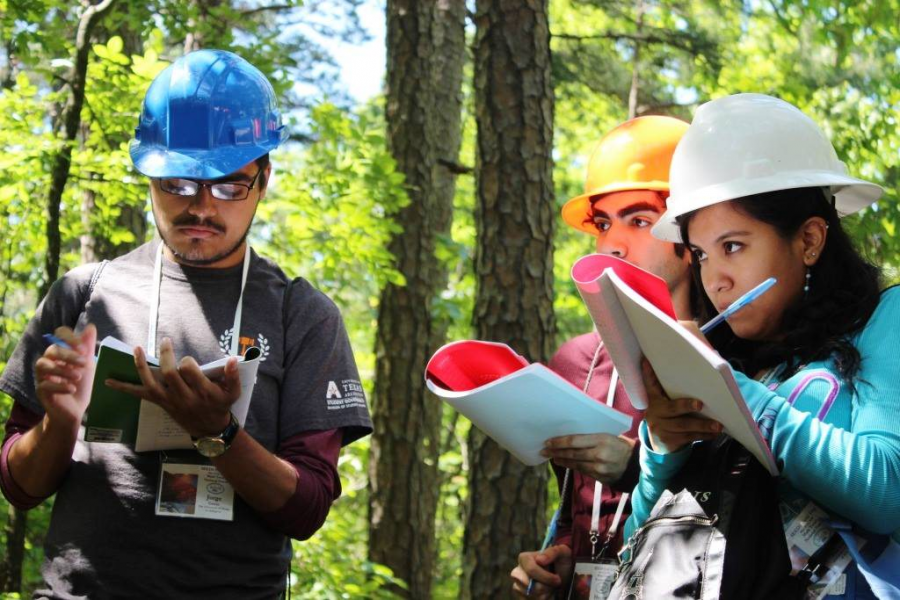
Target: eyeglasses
{"type": "Point", "coordinates": [230, 191]}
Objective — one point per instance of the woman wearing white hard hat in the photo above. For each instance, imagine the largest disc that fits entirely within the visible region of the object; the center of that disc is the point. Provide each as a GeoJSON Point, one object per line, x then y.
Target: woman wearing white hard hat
{"type": "Point", "coordinates": [757, 191]}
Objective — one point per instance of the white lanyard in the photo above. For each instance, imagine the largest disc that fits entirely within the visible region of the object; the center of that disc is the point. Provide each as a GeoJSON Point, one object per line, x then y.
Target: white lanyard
{"type": "Point", "coordinates": [154, 304]}
{"type": "Point", "coordinates": [598, 487]}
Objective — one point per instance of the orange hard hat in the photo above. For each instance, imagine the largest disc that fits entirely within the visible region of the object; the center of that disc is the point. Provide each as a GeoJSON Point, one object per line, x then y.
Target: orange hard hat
{"type": "Point", "coordinates": [633, 156]}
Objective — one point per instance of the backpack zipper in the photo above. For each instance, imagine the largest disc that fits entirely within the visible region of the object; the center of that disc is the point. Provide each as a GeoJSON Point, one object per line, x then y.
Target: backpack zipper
{"type": "Point", "coordinates": [689, 519]}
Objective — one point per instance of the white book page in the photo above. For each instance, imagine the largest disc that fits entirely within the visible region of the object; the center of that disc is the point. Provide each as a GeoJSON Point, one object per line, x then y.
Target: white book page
{"type": "Point", "coordinates": [522, 410]}
{"type": "Point", "coordinates": [157, 430]}
{"type": "Point", "coordinates": [688, 368]}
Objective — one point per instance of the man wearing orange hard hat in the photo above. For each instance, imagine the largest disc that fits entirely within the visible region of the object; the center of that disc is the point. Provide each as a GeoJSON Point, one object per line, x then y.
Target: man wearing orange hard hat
{"type": "Point", "coordinates": [625, 194]}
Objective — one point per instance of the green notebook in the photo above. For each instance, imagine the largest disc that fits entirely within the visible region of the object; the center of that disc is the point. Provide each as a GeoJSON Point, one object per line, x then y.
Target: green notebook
{"type": "Point", "coordinates": [116, 417]}
{"type": "Point", "coordinates": [112, 415]}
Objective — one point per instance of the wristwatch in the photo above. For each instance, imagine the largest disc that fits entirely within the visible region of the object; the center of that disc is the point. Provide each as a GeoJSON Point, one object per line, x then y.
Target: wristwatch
{"type": "Point", "coordinates": [216, 445]}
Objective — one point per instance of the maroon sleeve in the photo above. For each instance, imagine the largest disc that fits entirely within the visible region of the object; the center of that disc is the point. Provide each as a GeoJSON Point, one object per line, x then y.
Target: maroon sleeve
{"type": "Point", "coordinates": [314, 456]}
{"type": "Point", "coordinates": [20, 421]}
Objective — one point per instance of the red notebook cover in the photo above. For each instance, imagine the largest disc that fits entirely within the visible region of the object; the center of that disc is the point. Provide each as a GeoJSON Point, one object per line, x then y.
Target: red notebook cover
{"type": "Point", "coordinates": [654, 289]}
{"type": "Point", "coordinates": [469, 364]}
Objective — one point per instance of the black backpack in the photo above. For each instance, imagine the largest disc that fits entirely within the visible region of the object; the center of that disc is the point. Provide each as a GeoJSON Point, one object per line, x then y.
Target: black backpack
{"type": "Point", "coordinates": [716, 532]}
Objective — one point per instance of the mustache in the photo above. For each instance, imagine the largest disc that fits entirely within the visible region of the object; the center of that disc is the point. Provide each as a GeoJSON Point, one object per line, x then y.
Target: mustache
{"type": "Point", "coordinates": [189, 220]}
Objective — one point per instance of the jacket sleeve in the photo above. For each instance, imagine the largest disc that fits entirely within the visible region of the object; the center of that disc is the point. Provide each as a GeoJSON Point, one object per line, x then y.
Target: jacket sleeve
{"type": "Point", "coordinates": [854, 471]}
{"type": "Point", "coordinates": [656, 471]}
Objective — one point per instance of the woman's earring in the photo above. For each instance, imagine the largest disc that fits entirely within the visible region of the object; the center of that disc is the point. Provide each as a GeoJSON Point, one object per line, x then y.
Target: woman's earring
{"type": "Point", "coordinates": [806, 285]}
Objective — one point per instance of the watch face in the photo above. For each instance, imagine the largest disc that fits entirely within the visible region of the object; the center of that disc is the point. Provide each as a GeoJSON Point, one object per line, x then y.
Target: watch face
{"type": "Point", "coordinates": [210, 447]}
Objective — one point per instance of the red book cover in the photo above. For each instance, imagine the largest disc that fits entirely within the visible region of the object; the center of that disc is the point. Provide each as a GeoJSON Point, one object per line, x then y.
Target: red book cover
{"type": "Point", "coordinates": [469, 364]}
{"type": "Point", "coordinates": [654, 289]}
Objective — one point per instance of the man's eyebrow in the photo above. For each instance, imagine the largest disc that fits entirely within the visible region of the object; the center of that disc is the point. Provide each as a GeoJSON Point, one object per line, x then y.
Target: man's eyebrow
{"type": "Point", "coordinates": [639, 207]}
{"type": "Point", "coordinates": [234, 177]}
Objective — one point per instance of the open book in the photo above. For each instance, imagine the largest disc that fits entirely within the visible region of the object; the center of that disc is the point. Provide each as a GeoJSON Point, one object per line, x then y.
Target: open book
{"type": "Point", "coordinates": [116, 417]}
{"type": "Point", "coordinates": [517, 405]}
{"type": "Point", "coordinates": [633, 312]}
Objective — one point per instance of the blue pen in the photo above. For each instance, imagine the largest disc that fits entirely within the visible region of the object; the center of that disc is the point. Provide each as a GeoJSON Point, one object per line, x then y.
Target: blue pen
{"type": "Point", "coordinates": [739, 304]}
{"type": "Point", "coordinates": [551, 533]}
{"type": "Point", "coordinates": [52, 339]}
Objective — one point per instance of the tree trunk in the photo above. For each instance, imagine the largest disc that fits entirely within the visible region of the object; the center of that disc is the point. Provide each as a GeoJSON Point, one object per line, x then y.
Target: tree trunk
{"type": "Point", "coordinates": [636, 63]}
{"type": "Point", "coordinates": [198, 27]}
{"type": "Point", "coordinates": [426, 52]}
{"type": "Point", "coordinates": [70, 120]}
{"type": "Point", "coordinates": [11, 569]}
{"type": "Point", "coordinates": [95, 245]}
{"type": "Point", "coordinates": [515, 218]}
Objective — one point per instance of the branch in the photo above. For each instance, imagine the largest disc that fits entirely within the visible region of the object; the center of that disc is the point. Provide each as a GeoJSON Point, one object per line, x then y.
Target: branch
{"type": "Point", "coordinates": [782, 20]}
{"type": "Point", "coordinates": [86, 23]}
{"type": "Point", "coordinates": [95, 119]}
{"type": "Point", "coordinates": [455, 167]}
{"type": "Point", "coordinates": [634, 37]}
{"type": "Point", "coordinates": [644, 109]}
{"type": "Point", "coordinates": [271, 8]}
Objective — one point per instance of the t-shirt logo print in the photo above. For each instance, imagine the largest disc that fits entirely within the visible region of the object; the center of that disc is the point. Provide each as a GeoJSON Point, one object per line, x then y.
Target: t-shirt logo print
{"type": "Point", "coordinates": [261, 342]}
{"type": "Point", "coordinates": [333, 391]}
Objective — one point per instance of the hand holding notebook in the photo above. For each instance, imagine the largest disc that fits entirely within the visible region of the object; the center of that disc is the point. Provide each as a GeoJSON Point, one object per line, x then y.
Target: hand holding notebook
{"type": "Point", "coordinates": [633, 312]}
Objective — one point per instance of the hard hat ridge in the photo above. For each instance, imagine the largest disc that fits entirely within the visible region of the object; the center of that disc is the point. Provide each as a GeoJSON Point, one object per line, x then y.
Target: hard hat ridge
{"type": "Point", "coordinates": [633, 156]}
{"type": "Point", "coordinates": [748, 144]}
{"type": "Point", "coordinates": [205, 116]}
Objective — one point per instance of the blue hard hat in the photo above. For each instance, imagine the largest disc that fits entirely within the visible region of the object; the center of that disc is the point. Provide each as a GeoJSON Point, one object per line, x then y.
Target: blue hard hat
{"type": "Point", "coordinates": [205, 116]}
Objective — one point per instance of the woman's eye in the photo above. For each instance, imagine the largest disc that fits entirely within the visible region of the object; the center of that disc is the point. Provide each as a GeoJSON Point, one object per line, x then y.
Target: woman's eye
{"type": "Point", "coordinates": [732, 247]}
{"type": "Point", "coordinates": [699, 255]}
{"type": "Point", "coordinates": [601, 225]}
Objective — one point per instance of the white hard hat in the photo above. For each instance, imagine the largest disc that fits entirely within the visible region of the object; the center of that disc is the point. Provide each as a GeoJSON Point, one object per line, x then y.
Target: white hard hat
{"type": "Point", "coordinates": [749, 144]}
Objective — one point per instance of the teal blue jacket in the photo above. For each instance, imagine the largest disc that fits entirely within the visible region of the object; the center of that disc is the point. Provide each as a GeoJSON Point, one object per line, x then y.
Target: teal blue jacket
{"type": "Point", "coordinates": [836, 447]}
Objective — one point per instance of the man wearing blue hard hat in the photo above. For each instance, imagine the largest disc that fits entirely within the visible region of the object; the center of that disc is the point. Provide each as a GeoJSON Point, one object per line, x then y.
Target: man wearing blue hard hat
{"type": "Point", "coordinates": [215, 519]}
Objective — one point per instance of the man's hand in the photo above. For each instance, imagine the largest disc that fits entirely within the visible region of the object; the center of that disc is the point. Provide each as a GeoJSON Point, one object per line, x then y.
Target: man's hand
{"type": "Point", "coordinates": [534, 565]}
{"type": "Point", "coordinates": [65, 377]}
{"type": "Point", "coordinates": [674, 424]}
{"type": "Point", "coordinates": [201, 406]}
{"type": "Point", "coordinates": [601, 456]}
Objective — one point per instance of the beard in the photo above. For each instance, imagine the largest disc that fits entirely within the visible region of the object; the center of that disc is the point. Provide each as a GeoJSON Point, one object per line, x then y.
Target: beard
{"type": "Point", "coordinates": [193, 256]}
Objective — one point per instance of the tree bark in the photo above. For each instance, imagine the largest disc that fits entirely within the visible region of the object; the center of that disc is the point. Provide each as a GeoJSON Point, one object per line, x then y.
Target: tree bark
{"type": "Point", "coordinates": [71, 119]}
{"type": "Point", "coordinates": [196, 37]}
{"type": "Point", "coordinates": [11, 568]}
{"type": "Point", "coordinates": [636, 63]}
{"type": "Point", "coordinates": [426, 52]}
{"type": "Point", "coordinates": [95, 245]}
{"type": "Point", "coordinates": [515, 219]}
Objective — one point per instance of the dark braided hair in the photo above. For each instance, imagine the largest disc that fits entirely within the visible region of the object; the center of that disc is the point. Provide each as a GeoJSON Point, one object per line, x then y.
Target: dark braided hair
{"type": "Point", "coordinates": [844, 291]}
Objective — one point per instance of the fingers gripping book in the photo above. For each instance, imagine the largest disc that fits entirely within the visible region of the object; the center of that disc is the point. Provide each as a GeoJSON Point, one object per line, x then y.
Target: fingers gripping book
{"type": "Point", "coordinates": [116, 417]}
{"type": "Point", "coordinates": [633, 312]}
{"type": "Point", "coordinates": [518, 405]}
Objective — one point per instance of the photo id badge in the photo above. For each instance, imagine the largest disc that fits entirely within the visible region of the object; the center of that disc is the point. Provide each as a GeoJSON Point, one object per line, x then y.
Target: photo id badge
{"type": "Point", "coordinates": [193, 491]}
{"type": "Point", "coordinates": [593, 580]}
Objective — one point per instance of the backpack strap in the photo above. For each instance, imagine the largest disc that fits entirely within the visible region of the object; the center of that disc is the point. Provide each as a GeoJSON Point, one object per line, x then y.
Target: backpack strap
{"type": "Point", "coordinates": [95, 277]}
{"type": "Point", "coordinates": [285, 313]}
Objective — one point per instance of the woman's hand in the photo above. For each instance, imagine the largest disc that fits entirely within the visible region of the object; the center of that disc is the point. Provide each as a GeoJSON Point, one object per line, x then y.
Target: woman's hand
{"type": "Point", "coordinates": [673, 424]}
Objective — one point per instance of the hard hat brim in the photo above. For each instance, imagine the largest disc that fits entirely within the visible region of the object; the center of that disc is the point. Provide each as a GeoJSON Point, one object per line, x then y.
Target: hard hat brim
{"type": "Point", "coordinates": [157, 161]}
{"type": "Point", "coordinates": [851, 195]}
{"type": "Point", "coordinates": [577, 209]}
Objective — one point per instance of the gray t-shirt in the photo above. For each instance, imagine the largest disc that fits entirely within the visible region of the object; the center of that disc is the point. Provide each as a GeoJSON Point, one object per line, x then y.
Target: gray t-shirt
{"type": "Point", "coordinates": [104, 540]}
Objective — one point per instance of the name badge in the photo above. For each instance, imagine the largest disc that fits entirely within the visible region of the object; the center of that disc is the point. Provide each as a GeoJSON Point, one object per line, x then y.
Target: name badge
{"type": "Point", "coordinates": [593, 580]}
{"type": "Point", "coordinates": [193, 491]}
